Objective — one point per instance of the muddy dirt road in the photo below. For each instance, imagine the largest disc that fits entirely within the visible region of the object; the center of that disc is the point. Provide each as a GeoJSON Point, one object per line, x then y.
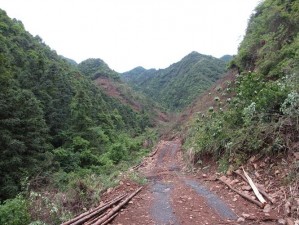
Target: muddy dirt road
{"type": "Point", "coordinates": [172, 196]}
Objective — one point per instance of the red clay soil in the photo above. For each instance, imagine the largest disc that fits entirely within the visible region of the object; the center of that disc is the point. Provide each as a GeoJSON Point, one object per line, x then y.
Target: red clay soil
{"type": "Point", "coordinates": [114, 89]}
{"type": "Point", "coordinates": [173, 196]}
{"type": "Point", "coordinates": [111, 89]}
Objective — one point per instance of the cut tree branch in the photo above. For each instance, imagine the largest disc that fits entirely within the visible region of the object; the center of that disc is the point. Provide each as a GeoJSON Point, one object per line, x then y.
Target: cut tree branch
{"type": "Point", "coordinates": [254, 188]}
{"type": "Point", "coordinates": [154, 153]}
{"type": "Point", "coordinates": [242, 194]}
{"type": "Point", "coordinates": [260, 190]}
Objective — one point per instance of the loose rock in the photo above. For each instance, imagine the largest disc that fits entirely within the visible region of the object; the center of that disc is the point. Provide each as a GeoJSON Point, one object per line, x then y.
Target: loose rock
{"type": "Point", "coordinates": [235, 181]}
{"type": "Point", "coordinates": [240, 219]}
{"type": "Point", "coordinates": [289, 221]}
{"type": "Point", "coordinates": [245, 215]}
{"type": "Point", "coordinates": [281, 222]}
{"type": "Point", "coordinates": [267, 208]}
{"type": "Point", "coordinates": [287, 208]}
{"type": "Point", "coordinates": [246, 188]}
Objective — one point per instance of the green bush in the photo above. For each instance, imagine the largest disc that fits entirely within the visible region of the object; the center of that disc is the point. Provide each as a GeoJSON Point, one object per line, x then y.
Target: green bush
{"type": "Point", "coordinates": [14, 212]}
{"type": "Point", "coordinates": [290, 106]}
{"type": "Point", "coordinates": [118, 152]}
{"type": "Point", "coordinates": [67, 159]}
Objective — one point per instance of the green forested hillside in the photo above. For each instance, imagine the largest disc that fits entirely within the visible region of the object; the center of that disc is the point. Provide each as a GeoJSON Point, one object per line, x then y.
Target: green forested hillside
{"type": "Point", "coordinates": [138, 76]}
{"type": "Point", "coordinates": [227, 58]}
{"type": "Point", "coordinates": [70, 61]}
{"type": "Point", "coordinates": [178, 85]}
{"type": "Point", "coordinates": [56, 125]}
{"type": "Point", "coordinates": [262, 117]}
{"type": "Point", "coordinates": [95, 68]}
{"type": "Point", "coordinates": [110, 83]}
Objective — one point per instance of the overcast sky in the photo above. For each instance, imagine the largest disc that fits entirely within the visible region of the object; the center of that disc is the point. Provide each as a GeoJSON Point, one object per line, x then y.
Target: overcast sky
{"type": "Point", "coordinates": [130, 33]}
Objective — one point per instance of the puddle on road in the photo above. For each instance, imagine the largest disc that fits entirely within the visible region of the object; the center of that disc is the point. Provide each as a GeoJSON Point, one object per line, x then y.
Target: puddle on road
{"type": "Point", "coordinates": [161, 209]}
{"type": "Point", "coordinates": [213, 201]}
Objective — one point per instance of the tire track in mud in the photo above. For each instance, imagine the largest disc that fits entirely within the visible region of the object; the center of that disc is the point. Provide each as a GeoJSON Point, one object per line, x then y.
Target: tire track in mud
{"type": "Point", "coordinates": [213, 200]}
{"type": "Point", "coordinates": [173, 198]}
{"type": "Point", "coordinates": [163, 209]}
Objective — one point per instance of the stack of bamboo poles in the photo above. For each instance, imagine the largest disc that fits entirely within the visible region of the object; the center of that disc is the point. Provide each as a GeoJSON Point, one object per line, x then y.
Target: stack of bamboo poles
{"type": "Point", "coordinates": [102, 214]}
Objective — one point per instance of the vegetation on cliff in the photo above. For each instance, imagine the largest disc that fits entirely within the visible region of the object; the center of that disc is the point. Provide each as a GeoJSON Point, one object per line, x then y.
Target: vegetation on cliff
{"type": "Point", "coordinates": [262, 117]}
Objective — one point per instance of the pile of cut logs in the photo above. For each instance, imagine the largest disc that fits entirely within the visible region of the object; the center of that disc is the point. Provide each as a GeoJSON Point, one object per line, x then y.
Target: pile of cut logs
{"type": "Point", "coordinates": [104, 213]}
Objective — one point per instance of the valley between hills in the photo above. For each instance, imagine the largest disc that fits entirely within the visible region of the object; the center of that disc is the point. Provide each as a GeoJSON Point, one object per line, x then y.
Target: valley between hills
{"type": "Point", "coordinates": [204, 141]}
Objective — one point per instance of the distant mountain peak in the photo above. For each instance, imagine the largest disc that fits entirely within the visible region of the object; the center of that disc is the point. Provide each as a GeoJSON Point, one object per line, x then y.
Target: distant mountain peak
{"type": "Point", "coordinates": [192, 54]}
{"type": "Point", "coordinates": [178, 85]}
{"type": "Point", "coordinates": [138, 68]}
{"type": "Point", "coordinates": [95, 67]}
{"type": "Point", "coordinates": [226, 58]}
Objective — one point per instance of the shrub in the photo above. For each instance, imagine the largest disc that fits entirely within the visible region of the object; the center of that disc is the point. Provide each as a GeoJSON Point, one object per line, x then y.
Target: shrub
{"type": "Point", "coordinates": [67, 159]}
{"type": "Point", "coordinates": [117, 152]}
{"type": "Point", "coordinates": [249, 113]}
{"type": "Point", "coordinates": [290, 106]}
{"type": "Point", "coordinates": [14, 212]}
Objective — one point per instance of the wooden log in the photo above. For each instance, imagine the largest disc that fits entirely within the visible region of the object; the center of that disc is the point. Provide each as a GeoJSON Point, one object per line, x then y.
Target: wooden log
{"type": "Point", "coordinates": [94, 219]}
{"type": "Point", "coordinates": [255, 189]}
{"type": "Point", "coordinates": [154, 153]}
{"type": "Point", "coordinates": [116, 208]}
{"type": "Point", "coordinates": [81, 215]}
{"type": "Point", "coordinates": [78, 217]}
{"type": "Point", "coordinates": [110, 219]}
{"type": "Point", "coordinates": [87, 216]}
{"type": "Point", "coordinates": [242, 194]}
{"type": "Point", "coordinates": [137, 166]}
{"type": "Point", "coordinates": [260, 190]}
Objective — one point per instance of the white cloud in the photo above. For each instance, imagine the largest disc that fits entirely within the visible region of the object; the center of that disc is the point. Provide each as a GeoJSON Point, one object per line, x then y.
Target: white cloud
{"type": "Point", "coordinates": [130, 33]}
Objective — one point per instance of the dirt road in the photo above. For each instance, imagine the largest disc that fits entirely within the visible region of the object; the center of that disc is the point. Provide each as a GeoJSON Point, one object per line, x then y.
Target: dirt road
{"type": "Point", "coordinates": [172, 196]}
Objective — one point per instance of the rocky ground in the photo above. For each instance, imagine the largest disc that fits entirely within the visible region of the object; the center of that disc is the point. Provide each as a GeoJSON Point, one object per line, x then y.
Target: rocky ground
{"type": "Point", "coordinates": [177, 195]}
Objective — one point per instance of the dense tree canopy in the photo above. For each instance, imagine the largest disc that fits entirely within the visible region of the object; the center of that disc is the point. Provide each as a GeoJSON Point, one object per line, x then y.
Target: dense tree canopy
{"type": "Point", "coordinates": [51, 113]}
{"type": "Point", "coordinates": [95, 68]}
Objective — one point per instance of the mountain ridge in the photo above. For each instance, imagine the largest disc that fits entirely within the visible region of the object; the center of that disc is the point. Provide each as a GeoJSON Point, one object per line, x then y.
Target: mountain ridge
{"type": "Point", "coordinates": [177, 85]}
